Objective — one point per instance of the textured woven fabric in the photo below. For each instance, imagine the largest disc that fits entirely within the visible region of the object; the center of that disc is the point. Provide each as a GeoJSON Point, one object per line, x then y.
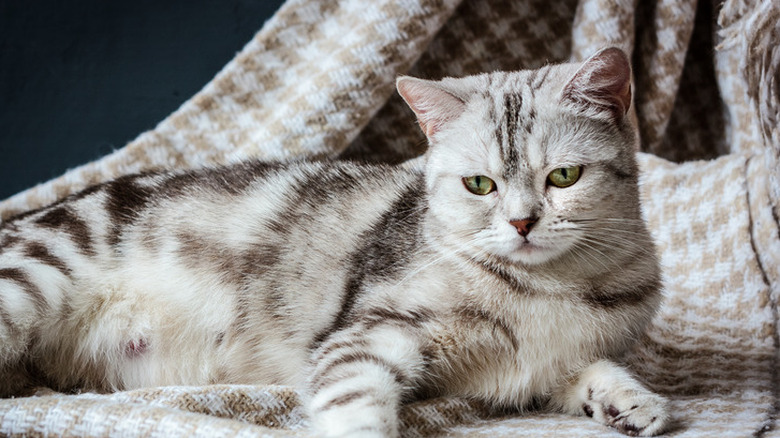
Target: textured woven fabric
{"type": "Point", "coordinates": [317, 81]}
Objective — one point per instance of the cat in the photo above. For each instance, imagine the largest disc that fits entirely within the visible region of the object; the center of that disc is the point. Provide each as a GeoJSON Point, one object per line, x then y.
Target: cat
{"type": "Point", "coordinates": [512, 267]}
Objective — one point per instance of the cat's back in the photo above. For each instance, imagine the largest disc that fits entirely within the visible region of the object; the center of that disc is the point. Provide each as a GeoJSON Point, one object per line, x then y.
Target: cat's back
{"type": "Point", "coordinates": [146, 212]}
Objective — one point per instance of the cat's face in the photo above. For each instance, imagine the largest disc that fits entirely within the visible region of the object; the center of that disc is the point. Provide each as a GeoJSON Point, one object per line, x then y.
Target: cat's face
{"type": "Point", "coordinates": [525, 167]}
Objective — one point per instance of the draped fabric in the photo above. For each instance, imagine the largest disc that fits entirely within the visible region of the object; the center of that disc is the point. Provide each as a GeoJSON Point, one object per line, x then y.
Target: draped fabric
{"type": "Point", "coordinates": [318, 82]}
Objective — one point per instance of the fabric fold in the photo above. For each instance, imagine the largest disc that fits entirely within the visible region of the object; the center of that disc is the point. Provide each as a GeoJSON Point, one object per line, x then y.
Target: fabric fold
{"type": "Point", "coordinates": [317, 82]}
{"type": "Point", "coordinates": [304, 86]}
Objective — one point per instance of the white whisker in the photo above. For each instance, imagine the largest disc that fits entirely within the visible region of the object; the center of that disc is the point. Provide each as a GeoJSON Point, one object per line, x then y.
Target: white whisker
{"type": "Point", "coordinates": [585, 244]}
{"type": "Point", "coordinates": [440, 258]}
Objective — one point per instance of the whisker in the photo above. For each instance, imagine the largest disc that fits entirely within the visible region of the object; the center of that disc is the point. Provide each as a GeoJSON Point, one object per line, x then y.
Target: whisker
{"type": "Point", "coordinates": [440, 258]}
{"type": "Point", "coordinates": [587, 257]}
{"type": "Point", "coordinates": [607, 219]}
{"type": "Point", "coordinates": [607, 239]}
{"type": "Point", "coordinates": [585, 244]}
{"type": "Point", "coordinates": [602, 229]}
{"type": "Point", "coordinates": [619, 255]}
{"type": "Point", "coordinates": [615, 235]}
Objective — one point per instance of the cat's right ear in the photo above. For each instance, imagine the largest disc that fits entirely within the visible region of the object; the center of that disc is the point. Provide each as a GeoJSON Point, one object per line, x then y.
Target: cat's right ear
{"type": "Point", "coordinates": [433, 105]}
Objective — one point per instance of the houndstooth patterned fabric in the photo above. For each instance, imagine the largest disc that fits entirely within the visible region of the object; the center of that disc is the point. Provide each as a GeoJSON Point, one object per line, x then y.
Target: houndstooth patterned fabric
{"type": "Point", "coordinates": [317, 82]}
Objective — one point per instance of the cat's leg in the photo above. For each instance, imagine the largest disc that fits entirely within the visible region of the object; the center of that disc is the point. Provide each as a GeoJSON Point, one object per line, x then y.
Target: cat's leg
{"type": "Point", "coordinates": [32, 278]}
{"type": "Point", "coordinates": [607, 393]}
{"type": "Point", "coordinates": [360, 377]}
{"type": "Point", "coordinates": [19, 314]}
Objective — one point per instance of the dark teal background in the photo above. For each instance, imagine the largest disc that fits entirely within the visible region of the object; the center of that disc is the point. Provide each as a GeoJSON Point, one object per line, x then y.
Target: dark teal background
{"type": "Point", "coordinates": [79, 79]}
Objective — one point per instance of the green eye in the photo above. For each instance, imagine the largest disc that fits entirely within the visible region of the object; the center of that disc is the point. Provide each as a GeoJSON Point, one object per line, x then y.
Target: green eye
{"type": "Point", "coordinates": [479, 185]}
{"type": "Point", "coordinates": [565, 176]}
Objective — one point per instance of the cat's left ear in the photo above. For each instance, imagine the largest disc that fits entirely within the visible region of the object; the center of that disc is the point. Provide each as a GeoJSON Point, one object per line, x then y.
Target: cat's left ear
{"type": "Point", "coordinates": [433, 105]}
{"type": "Point", "coordinates": [603, 82]}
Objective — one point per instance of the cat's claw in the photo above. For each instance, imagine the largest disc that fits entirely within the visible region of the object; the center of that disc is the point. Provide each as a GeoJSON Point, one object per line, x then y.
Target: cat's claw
{"type": "Point", "coordinates": [610, 395]}
{"type": "Point", "coordinates": [631, 413]}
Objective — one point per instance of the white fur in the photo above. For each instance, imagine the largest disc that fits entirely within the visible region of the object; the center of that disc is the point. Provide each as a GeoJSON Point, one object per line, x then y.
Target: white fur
{"type": "Point", "coordinates": [205, 287]}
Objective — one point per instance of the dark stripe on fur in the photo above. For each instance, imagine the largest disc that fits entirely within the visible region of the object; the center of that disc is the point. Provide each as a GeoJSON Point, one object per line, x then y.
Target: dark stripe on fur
{"type": "Point", "coordinates": [500, 273]}
{"type": "Point", "coordinates": [411, 318]}
{"type": "Point", "coordinates": [8, 241]}
{"type": "Point", "coordinates": [82, 194]}
{"type": "Point", "coordinates": [329, 380]}
{"type": "Point", "coordinates": [126, 201]}
{"type": "Point", "coordinates": [234, 267]}
{"type": "Point", "coordinates": [258, 261]}
{"type": "Point", "coordinates": [8, 321]}
{"type": "Point", "coordinates": [39, 252]}
{"type": "Point", "coordinates": [352, 289]}
{"type": "Point", "coordinates": [494, 321]}
{"type": "Point", "coordinates": [499, 131]}
{"type": "Point", "coordinates": [334, 346]}
{"type": "Point", "coordinates": [388, 245]}
{"type": "Point", "coordinates": [316, 189]}
{"type": "Point", "coordinates": [343, 400]}
{"type": "Point", "coordinates": [535, 81]}
{"type": "Point", "coordinates": [610, 299]}
{"type": "Point", "coordinates": [621, 172]}
{"type": "Point", "coordinates": [512, 105]}
{"type": "Point", "coordinates": [361, 356]}
{"type": "Point", "coordinates": [232, 180]}
{"type": "Point", "coordinates": [19, 277]}
{"type": "Point", "coordinates": [61, 218]}
{"type": "Point", "coordinates": [329, 184]}
{"type": "Point", "coordinates": [529, 121]}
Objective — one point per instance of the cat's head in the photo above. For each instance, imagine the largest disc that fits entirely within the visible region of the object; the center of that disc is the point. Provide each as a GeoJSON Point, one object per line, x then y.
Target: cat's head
{"type": "Point", "coordinates": [530, 166]}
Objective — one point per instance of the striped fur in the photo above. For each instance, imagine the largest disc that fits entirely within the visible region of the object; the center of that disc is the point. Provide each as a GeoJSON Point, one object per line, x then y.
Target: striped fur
{"type": "Point", "coordinates": [370, 285]}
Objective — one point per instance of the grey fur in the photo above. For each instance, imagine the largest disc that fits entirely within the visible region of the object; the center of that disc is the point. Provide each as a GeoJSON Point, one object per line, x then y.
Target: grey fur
{"type": "Point", "coordinates": [371, 285]}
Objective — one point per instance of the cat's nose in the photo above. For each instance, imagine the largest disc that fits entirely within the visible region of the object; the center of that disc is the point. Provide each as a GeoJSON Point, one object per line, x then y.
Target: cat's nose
{"type": "Point", "coordinates": [524, 225]}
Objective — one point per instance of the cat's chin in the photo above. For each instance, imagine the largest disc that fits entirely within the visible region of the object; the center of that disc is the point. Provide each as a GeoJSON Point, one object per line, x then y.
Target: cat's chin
{"type": "Point", "coordinates": [527, 253]}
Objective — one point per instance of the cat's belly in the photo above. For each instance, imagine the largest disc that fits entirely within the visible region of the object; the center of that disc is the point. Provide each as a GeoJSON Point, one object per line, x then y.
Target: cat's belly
{"type": "Point", "coordinates": [155, 328]}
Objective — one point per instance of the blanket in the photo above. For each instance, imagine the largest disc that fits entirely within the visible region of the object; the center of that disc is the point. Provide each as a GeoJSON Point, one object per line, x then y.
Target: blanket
{"type": "Point", "coordinates": [318, 81]}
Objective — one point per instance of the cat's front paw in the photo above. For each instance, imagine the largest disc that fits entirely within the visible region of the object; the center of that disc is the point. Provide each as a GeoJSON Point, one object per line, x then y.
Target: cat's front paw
{"type": "Point", "coordinates": [634, 413]}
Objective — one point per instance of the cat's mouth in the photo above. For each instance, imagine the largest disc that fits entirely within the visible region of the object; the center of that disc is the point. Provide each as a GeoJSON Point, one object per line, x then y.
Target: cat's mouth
{"type": "Point", "coordinates": [532, 253]}
{"type": "Point", "coordinates": [526, 246]}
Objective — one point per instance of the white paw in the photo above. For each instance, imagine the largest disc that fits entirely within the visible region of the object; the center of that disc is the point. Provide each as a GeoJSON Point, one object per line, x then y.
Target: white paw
{"type": "Point", "coordinates": [634, 413]}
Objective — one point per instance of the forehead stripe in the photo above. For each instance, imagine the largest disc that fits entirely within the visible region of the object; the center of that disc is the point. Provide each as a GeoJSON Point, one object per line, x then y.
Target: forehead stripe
{"type": "Point", "coordinates": [513, 103]}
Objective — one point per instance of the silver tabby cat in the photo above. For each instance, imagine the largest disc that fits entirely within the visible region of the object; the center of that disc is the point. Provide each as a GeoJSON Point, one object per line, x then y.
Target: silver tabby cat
{"type": "Point", "coordinates": [514, 268]}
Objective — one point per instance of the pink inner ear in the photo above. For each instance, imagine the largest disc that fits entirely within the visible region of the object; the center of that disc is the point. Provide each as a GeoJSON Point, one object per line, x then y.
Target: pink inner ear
{"type": "Point", "coordinates": [603, 81]}
{"type": "Point", "coordinates": [433, 106]}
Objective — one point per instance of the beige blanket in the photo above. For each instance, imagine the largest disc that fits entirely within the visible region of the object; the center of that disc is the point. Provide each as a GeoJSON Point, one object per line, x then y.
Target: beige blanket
{"type": "Point", "coordinates": [317, 81]}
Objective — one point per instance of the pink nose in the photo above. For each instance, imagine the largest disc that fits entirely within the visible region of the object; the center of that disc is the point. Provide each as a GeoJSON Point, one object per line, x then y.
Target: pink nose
{"type": "Point", "coordinates": [524, 225]}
